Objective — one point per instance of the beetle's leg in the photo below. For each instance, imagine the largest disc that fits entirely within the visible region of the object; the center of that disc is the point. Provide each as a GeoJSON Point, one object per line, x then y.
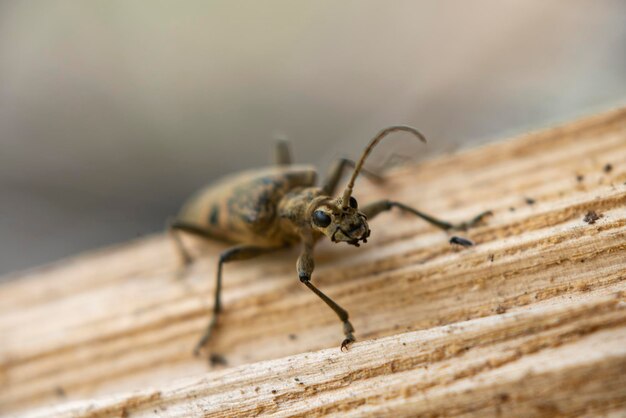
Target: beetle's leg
{"type": "Point", "coordinates": [376, 208]}
{"type": "Point", "coordinates": [338, 169]}
{"type": "Point", "coordinates": [185, 258]}
{"type": "Point", "coordinates": [240, 252]}
{"type": "Point", "coordinates": [305, 268]}
{"type": "Point", "coordinates": [283, 152]}
{"type": "Point", "coordinates": [174, 227]}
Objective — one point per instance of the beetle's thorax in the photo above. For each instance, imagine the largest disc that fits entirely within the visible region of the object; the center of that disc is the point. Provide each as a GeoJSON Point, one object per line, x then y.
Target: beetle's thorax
{"type": "Point", "coordinates": [309, 210]}
{"type": "Point", "coordinates": [292, 208]}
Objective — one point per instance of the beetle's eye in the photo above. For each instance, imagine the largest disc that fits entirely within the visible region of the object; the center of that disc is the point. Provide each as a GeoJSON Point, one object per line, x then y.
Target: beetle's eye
{"type": "Point", "coordinates": [353, 203]}
{"type": "Point", "coordinates": [321, 219]}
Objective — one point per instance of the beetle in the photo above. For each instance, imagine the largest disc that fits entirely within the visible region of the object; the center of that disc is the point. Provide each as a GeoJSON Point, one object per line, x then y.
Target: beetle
{"type": "Point", "coordinates": [269, 209]}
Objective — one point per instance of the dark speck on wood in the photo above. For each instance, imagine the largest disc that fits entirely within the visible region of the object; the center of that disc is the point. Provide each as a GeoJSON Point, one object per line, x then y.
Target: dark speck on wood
{"type": "Point", "coordinates": [461, 241]}
{"type": "Point", "coordinates": [591, 217]}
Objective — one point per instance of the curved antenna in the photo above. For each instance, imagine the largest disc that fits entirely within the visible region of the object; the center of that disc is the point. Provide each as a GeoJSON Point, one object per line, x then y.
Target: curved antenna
{"type": "Point", "coordinates": [348, 190]}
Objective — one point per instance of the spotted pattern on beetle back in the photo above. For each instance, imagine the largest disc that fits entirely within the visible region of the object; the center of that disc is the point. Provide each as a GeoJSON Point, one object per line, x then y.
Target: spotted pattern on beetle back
{"type": "Point", "coordinates": [243, 208]}
{"type": "Point", "coordinates": [255, 203]}
{"type": "Point", "coordinates": [214, 216]}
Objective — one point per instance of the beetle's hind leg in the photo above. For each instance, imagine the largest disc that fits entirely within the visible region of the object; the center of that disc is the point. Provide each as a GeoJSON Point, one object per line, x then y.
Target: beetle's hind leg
{"type": "Point", "coordinates": [173, 229]}
{"type": "Point", "coordinates": [283, 152]}
{"type": "Point", "coordinates": [374, 209]}
{"type": "Point", "coordinates": [241, 252]}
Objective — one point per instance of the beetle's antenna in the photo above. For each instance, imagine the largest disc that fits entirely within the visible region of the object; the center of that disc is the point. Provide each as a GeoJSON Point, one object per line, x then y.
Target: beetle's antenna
{"type": "Point", "coordinates": [348, 191]}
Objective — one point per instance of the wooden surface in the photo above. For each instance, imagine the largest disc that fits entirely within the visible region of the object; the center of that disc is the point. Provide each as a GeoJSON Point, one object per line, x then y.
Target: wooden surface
{"type": "Point", "coordinates": [529, 322]}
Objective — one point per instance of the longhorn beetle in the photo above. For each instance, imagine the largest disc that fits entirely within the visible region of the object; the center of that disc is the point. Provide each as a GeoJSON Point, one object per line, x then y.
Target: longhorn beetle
{"type": "Point", "coordinates": [268, 209]}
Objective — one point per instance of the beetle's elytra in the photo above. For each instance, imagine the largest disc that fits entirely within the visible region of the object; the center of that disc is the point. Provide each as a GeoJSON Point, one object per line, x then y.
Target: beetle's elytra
{"type": "Point", "coordinates": [268, 209]}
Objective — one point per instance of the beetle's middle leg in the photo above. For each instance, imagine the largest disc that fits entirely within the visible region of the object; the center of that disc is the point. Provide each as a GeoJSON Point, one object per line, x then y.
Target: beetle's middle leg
{"type": "Point", "coordinates": [376, 208]}
{"type": "Point", "coordinates": [338, 169]}
{"type": "Point", "coordinates": [240, 252]}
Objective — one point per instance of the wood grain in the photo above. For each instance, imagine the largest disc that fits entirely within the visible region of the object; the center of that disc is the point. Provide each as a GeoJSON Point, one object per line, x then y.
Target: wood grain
{"type": "Point", "coordinates": [531, 321]}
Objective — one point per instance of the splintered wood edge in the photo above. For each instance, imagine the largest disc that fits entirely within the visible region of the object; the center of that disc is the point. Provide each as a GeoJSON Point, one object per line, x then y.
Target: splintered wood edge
{"type": "Point", "coordinates": [525, 360]}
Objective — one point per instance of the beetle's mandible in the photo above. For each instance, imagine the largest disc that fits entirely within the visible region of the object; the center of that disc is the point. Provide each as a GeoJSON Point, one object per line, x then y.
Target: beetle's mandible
{"type": "Point", "coordinates": [268, 209]}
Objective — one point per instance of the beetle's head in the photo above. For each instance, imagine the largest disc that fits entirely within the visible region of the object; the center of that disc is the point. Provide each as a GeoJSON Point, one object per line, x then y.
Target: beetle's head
{"type": "Point", "coordinates": [339, 219]}
{"type": "Point", "coordinates": [339, 222]}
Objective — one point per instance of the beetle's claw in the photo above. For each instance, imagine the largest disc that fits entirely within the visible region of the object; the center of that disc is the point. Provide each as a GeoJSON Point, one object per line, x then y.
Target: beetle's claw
{"type": "Point", "coordinates": [346, 343]}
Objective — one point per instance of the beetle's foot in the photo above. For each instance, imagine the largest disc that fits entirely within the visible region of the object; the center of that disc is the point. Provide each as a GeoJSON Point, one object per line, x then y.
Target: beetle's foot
{"type": "Point", "coordinates": [346, 343]}
{"type": "Point", "coordinates": [348, 329]}
{"type": "Point", "coordinates": [216, 359]}
{"type": "Point", "coordinates": [464, 226]}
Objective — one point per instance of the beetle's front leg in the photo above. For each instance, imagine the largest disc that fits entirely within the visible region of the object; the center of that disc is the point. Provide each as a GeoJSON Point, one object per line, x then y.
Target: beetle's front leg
{"type": "Point", "coordinates": [376, 208]}
{"type": "Point", "coordinates": [305, 267]}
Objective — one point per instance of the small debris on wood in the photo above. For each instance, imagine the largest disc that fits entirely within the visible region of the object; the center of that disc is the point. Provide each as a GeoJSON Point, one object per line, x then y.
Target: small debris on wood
{"type": "Point", "coordinates": [591, 217]}
{"type": "Point", "coordinates": [580, 178]}
{"type": "Point", "coordinates": [530, 200]}
{"type": "Point", "coordinates": [504, 397]}
{"type": "Point", "coordinates": [461, 241]}
{"type": "Point", "coordinates": [491, 257]}
{"type": "Point", "coordinates": [293, 337]}
{"type": "Point", "coordinates": [217, 360]}
{"type": "Point", "coordinates": [608, 168]}
{"type": "Point", "coordinates": [583, 287]}
{"type": "Point", "coordinates": [511, 209]}
{"type": "Point", "coordinates": [500, 309]}
{"type": "Point", "coordinates": [60, 392]}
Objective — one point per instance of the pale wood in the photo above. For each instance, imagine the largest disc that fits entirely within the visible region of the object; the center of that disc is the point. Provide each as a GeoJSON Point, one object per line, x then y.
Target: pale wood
{"type": "Point", "coordinates": [529, 322]}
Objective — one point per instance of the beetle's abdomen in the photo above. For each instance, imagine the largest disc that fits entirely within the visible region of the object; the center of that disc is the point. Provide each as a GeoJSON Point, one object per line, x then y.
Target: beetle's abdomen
{"type": "Point", "coordinates": [243, 208]}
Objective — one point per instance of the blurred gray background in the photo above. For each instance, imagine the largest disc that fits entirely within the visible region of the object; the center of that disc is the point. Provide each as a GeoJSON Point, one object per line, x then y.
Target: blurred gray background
{"type": "Point", "coordinates": [112, 112]}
